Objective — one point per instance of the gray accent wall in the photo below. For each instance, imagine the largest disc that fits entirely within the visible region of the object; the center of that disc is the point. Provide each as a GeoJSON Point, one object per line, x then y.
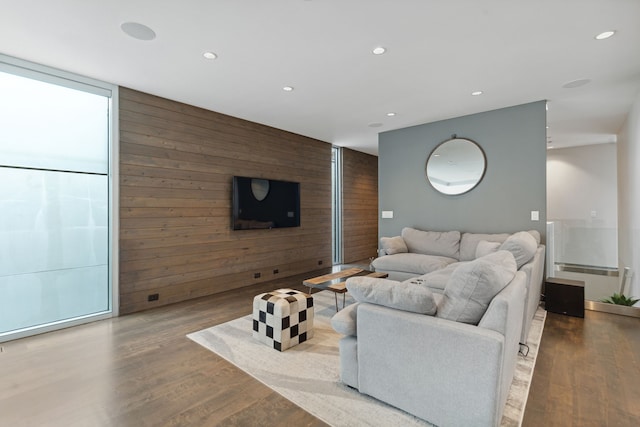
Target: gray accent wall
{"type": "Point", "coordinates": [514, 142]}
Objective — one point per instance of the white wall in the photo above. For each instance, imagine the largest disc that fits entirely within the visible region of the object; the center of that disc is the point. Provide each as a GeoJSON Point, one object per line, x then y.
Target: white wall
{"type": "Point", "coordinates": [629, 201]}
{"type": "Point", "coordinates": [582, 202]}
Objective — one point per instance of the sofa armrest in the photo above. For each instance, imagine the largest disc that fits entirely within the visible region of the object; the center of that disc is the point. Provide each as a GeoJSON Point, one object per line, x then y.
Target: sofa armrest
{"type": "Point", "coordinates": [505, 315]}
{"type": "Point", "coordinates": [534, 270]}
{"type": "Point", "coordinates": [504, 311]}
{"type": "Point", "coordinates": [446, 372]}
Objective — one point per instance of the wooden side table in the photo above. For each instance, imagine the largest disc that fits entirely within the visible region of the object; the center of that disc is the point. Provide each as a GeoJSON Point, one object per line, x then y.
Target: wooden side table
{"type": "Point", "coordinates": [336, 282]}
{"type": "Point", "coordinates": [564, 296]}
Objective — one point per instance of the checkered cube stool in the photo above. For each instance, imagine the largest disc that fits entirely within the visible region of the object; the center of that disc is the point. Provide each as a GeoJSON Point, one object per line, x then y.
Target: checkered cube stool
{"type": "Point", "coordinates": [283, 318]}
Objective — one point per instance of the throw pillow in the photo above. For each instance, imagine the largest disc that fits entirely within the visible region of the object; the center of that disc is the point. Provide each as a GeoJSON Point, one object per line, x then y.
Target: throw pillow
{"type": "Point", "coordinates": [393, 245]}
{"type": "Point", "coordinates": [345, 321]}
{"type": "Point", "coordinates": [485, 248]}
{"type": "Point", "coordinates": [522, 245]}
{"type": "Point", "coordinates": [389, 293]}
{"type": "Point", "coordinates": [473, 285]}
{"type": "Point", "coordinates": [469, 243]}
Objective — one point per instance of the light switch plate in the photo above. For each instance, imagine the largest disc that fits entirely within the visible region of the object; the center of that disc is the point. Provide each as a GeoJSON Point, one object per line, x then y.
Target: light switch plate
{"type": "Point", "coordinates": [387, 214]}
{"type": "Point", "coordinates": [535, 216]}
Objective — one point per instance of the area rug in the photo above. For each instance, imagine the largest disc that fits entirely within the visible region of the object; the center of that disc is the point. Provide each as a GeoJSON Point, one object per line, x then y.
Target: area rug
{"type": "Point", "coordinates": [308, 374]}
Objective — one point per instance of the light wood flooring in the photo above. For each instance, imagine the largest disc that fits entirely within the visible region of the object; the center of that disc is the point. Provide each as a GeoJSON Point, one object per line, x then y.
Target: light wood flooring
{"type": "Point", "coordinates": [141, 370]}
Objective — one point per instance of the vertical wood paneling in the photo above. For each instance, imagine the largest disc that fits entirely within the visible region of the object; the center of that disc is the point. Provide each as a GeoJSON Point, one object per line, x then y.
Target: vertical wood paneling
{"type": "Point", "coordinates": [176, 168]}
{"type": "Point", "coordinates": [360, 205]}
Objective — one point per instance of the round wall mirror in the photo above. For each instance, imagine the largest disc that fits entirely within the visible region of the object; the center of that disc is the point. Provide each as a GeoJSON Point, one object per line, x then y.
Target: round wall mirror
{"type": "Point", "coordinates": [260, 188]}
{"type": "Point", "coordinates": [456, 166]}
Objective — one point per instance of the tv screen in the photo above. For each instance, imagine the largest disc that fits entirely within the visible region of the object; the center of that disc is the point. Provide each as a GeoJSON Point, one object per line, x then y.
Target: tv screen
{"type": "Point", "coordinates": [264, 203]}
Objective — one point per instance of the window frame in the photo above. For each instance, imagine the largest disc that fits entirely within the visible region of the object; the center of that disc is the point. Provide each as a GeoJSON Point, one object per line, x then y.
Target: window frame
{"type": "Point", "coordinates": [51, 75]}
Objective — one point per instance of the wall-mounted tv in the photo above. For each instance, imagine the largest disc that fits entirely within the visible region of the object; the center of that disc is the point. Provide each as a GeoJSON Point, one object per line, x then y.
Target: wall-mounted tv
{"type": "Point", "coordinates": [264, 203]}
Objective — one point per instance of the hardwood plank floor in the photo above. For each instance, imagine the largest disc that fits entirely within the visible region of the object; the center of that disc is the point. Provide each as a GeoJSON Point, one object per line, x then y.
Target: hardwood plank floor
{"type": "Point", "coordinates": [587, 372]}
{"type": "Point", "coordinates": [141, 370]}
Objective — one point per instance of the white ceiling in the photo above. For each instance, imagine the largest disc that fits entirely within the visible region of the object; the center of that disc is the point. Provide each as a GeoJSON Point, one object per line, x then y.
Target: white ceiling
{"type": "Point", "coordinates": [516, 51]}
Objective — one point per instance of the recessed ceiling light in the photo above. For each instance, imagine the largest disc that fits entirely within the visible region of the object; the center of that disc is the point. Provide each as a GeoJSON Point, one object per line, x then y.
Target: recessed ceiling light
{"type": "Point", "coordinates": [391, 114]}
{"type": "Point", "coordinates": [210, 55]}
{"type": "Point", "coordinates": [605, 35]}
{"type": "Point", "coordinates": [477, 93]}
{"type": "Point", "coordinates": [287, 88]}
{"type": "Point", "coordinates": [138, 31]}
{"type": "Point", "coordinates": [379, 50]}
{"type": "Point", "coordinates": [576, 83]}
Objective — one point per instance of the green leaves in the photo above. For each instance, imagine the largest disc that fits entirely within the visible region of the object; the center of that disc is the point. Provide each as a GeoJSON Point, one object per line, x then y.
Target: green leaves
{"type": "Point", "coordinates": [620, 299]}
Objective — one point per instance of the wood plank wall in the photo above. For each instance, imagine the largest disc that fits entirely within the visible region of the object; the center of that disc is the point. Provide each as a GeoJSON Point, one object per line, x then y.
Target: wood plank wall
{"type": "Point", "coordinates": [176, 168]}
{"type": "Point", "coordinates": [360, 205]}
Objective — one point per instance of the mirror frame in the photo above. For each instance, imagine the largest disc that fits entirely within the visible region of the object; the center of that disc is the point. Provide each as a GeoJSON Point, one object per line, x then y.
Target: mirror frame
{"type": "Point", "coordinates": [456, 138]}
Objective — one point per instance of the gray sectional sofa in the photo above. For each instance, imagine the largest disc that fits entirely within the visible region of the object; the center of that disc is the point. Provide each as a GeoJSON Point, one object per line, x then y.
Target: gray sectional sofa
{"type": "Point", "coordinates": [430, 257]}
{"type": "Point", "coordinates": [448, 358]}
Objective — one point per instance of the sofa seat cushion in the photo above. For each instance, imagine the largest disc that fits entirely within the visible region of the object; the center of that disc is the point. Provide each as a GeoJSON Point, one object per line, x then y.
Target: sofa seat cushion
{"type": "Point", "coordinates": [473, 285]}
{"type": "Point", "coordinates": [392, 294]}
{"type": "Point", "coordinates": [439, 243]}
{"type": "Point", "coordinates": [411, 263]}
{"type": "Point", "coordinates": [469, 243]}
{"type": "Point", "coordinates": [436, 280]}
{"type": "Point", "coordinates": [522, 245]}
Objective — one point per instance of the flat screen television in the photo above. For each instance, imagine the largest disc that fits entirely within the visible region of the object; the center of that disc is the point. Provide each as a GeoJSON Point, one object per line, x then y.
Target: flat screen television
{"type": "Point", "coordinates": [264, 203]}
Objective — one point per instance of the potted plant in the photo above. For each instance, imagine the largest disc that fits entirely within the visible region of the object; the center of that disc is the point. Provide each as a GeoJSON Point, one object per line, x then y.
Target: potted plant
{"type": "Point", "coordinates": [619, 303]}
{"type": "Point", "coordinates": [620, 299]}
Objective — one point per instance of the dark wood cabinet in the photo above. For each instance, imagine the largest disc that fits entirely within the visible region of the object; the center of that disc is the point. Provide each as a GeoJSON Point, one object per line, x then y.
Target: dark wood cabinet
{"type": "Point", "coordinates": [564, 296]}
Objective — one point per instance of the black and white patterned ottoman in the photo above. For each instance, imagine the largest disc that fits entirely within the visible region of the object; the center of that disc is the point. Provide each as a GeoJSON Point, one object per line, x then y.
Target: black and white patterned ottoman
{"type": "Point", "coordinates": [283, 318]}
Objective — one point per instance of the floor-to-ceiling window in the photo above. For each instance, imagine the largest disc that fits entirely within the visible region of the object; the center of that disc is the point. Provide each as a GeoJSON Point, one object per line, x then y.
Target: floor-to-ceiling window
{"type": "Point", "coordinates": [56, 194]}
{"type": "Point", "coordinates": [336, 194]}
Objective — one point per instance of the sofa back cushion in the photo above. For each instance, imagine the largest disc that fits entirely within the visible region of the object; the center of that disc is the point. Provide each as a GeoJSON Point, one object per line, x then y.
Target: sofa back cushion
{"type": "Point", "coordinates": [522, 245]}
{"type": "Point", "coordinates": [473, 285]}
{"type": "Point", "coordinates": [486, 247]}
{"type": "Point", "coordinates": [442, 243]}
{"type": "Point", "coordinates": [415, 264]}
{"type": "Point", "coordinates": [469, 243]}
{"type": "Point", "coordinates": [536, 235]}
